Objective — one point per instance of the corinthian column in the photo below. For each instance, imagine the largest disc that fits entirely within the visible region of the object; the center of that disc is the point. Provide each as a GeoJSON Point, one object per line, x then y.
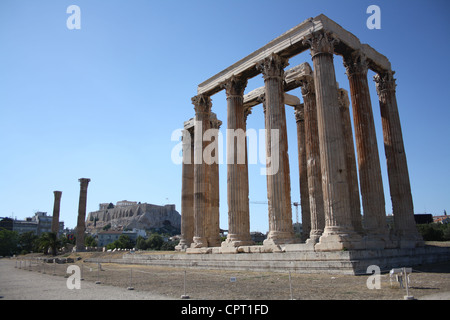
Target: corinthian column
{"type": "Point", "coordinates": [278, 179]}
{"type": "Point", "coordinates": [338, 233]}
{"type": "Point", "coordinates": [313, 159]}
{"type": "Point", "coordinates": [213, 221]}
{"type": "Point", "coordinates": [303, 170]}
{"type": "Point", "coordinates": [399, 185]}
{"type": "Point", "coordinates": [56, 208]}
{"type": "Point", "coordinates": [237, 170]}
{"type": "Point", "coordinates": [367, 149]}
{"type": "Point", "coordinates": [353, 188]}
{"type": "Point", "coordinates": [187, 188]}
{"type": "Point", "coordinates": [202, 198]}
{"type": "Point", "coordinates": [81, 226]}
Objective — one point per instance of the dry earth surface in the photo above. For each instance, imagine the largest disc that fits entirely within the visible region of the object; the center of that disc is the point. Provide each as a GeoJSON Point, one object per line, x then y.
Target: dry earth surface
{"type": "Point", "coordinates": [427, 281]}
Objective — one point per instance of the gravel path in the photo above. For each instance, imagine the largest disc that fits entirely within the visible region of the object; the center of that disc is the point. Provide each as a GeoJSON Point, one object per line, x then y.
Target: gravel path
{"type": "Point", "coordinates": [20, 284]}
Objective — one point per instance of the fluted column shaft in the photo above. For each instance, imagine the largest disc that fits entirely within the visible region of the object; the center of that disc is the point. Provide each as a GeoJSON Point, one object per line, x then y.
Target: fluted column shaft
{"type": "Point", "coordinates": [352, 174]}
{"type": "Point", "coordinates": [303, 171]}
{"type": "Point", "coordinates": [237, 170]}
{"type": "Point", "coordinates": [278, 188]}
{"type": "Point", "coordinates": [202, 196]}
{"type": "Point", "coordinates": [56, 209]}
{"type": "Point", "coordinates": [187, 190]}
{"type": "Point", "coordinates": [399, 184]}
{"type": "Point", "coordinates": [338, 233]}
{"type": "Point", "coordinates": [313, 159]}
{"type": "Point", "coordinates": [371, 183]}
{"type": "Point", "coordinates": [81, 225]}
{"type": "Point", "coordinates": [213, 234]}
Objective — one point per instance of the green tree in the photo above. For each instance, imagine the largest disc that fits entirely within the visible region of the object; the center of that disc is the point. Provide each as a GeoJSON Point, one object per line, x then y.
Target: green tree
{"type": "Point", "coordinates": [9, 241]}
{"type": "Point", "coordinates": [141, 244]}
{"type": "Point", "coordinates": [49, 240]}
{"type": "Point", "coordinates": [28, 242]}
{"type": "Point", "coordinates": [90, 241]}
{"type": "Point", "coordinates": [431, 232]}
{"type": "Point", "coordinates": [155, 241]}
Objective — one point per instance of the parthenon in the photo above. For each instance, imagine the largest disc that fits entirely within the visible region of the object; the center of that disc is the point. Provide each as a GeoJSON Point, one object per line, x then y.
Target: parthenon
{"type": "Point", "coordinates": [329, 165]}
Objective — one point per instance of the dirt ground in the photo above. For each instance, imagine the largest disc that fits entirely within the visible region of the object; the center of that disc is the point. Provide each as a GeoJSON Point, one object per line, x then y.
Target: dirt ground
{"type": "Point", "coordinates": [426, 280]}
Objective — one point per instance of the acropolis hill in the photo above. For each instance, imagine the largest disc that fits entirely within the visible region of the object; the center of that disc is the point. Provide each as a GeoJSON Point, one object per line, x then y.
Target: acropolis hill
{"type": "Point", "coordinates": [129, 214]}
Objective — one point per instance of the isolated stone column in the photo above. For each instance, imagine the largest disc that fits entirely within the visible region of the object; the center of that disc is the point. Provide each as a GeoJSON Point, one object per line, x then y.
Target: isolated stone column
{"type": "Point", "coordinates": [313, 159]}
{"type": "Point", "coordinates": [371, 183]}
{"type": "Point", "coordinates": [303, 171]}
{"type": "Point", "coordinates": [278, 188]}
{"type": "Point", "coordinates": [213, 220]}
{"type": "Point", "coordinates": [399, 184]}
{"type": "Point", "coordinates": [338, 233]}
{"type": "Point", "coordinates": [56, 209]}
{"type": "Point", "coordinates": [202, 197]}
{"type": "Point", "coordinates": [352, 174]}
{"type": "Point", "coordinates": [81, 225]}
{"type": "Point", "coordinates": [187, 188]}
{"type": "Point", "coordinates": [237, 170]}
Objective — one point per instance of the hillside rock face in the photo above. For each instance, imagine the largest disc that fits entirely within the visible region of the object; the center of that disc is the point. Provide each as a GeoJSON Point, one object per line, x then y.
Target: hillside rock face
{"type": "Point", "coordinates": [140, 216]}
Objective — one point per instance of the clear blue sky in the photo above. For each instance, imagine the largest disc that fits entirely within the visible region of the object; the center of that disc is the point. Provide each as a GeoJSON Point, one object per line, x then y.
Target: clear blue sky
{"type": "Point", "coordinates": [102, 102]}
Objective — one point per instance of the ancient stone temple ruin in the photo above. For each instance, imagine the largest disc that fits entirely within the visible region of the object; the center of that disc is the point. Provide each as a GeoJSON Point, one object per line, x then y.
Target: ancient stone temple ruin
{"type": "Point", "coordinates": [328, 162]}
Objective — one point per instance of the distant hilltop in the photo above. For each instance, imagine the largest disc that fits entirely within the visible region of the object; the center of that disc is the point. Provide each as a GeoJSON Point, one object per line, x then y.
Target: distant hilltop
{"type": "Point", "coordinates": [130, 214]}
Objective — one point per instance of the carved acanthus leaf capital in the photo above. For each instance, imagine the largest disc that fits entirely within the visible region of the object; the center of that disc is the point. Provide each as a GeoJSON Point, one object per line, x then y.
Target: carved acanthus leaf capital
{"type": "Point", "coordinates": [234, 86]}
{"type": "Point", "coordinates": [299, 112]}
{"type": "Point", "coordinates": [385, 81]}
{"type": "Point", "coordinates": [321, 42]}
{"type": "Point", "coordinates": [273, 66]}
{"type": "Point", "coordinates": [202, 104]}
{"type": "Point", "coordinates": [307, 85]}
{"type": "Point", "coordinates": [356, 63]}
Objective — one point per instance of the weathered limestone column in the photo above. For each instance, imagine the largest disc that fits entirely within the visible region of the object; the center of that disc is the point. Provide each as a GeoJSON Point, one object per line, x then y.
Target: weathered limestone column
{"type": "Point", "coordinates": [313, 159]}
{"type": "Point", "coordinates": [278, 188]}
{"type": "Point", "coordinates": [237, 169]}
{"type": "Point", "coordinates": [353, 187]}
{"type": "Point", "coordinates": [202, 197]}
{"type": "Point", "coordinates": [213, 220]}
{"type": "Point", "coordinates": [399, 184]}
{"type": "Point", "coordinates": [338, 233]}
{"type": "Point", "coordinates": [81, 225]}
{"type": "Point", "coordinates": [187, 188]}
{"type": "Point", "coordinates": [56, 208]}
{"type": "Point", "coordinates": [303, 171]}
{"type": "Point", "coordinates": [371, 183]}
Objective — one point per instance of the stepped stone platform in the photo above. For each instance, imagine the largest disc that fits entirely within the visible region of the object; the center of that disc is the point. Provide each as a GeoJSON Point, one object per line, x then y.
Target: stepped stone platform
{"type": "Point", "coordinates": [351, 262]}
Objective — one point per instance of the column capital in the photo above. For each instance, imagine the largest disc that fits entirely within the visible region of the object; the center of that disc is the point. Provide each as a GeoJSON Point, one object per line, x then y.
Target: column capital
{"type": "Point", "coordinates": [299, 111]}
{"type": "Point", "coordinates": [84, 181]}
{"type": "Point", "coordinates": [307, 85]}
{"type": "Point", "coordinates": [321, 43]}
{"type": "Point", "coordinates": [202, 104]}
{"type": "Point", "coordinates": [385, 81]}
{"type": "Point", "coordinates": [273, 66]}
{"type": "Point", "coordinates": [356, 63]}
{"type": "Point", "coordinates": [234, 86]}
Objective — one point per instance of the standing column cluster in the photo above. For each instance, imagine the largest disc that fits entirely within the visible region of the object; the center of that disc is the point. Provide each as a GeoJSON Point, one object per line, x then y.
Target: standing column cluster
{"type": "Point", "coordinates": [344, 226]}
{"type": "Point", "coordinates": [328, 164]}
